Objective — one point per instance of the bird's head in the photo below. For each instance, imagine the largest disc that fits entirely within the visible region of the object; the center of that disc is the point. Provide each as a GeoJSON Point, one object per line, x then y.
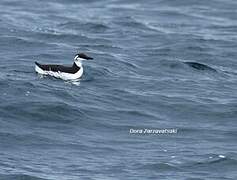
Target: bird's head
{"type": "Point", "coordinates": [82, 57]}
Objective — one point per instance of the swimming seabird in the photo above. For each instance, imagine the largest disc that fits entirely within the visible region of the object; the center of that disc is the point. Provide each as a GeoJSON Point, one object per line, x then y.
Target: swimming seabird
{"type": "Point", "coordinates": [64, 72]}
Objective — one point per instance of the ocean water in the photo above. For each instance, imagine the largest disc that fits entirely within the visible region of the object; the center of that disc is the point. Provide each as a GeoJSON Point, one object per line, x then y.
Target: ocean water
{"type": "Point", "coordinates": [158, 65]}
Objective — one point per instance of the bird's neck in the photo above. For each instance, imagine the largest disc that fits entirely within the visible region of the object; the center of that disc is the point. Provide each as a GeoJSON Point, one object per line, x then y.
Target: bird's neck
{"type": "Point", "coordinates": [78, 63]}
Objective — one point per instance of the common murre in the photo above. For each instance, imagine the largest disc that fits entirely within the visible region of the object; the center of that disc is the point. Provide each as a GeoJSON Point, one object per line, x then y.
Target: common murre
{"type": "Point", "coordinates": [64, 72]}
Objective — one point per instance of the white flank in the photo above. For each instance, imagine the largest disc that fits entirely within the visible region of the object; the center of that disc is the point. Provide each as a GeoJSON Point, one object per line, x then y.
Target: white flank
{"type": "Point", "coordinates": [61, 75]}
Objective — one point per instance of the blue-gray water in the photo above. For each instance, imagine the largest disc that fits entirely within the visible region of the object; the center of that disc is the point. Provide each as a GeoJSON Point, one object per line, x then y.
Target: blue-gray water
{"type": "Point", "coordinates": [145, 75]}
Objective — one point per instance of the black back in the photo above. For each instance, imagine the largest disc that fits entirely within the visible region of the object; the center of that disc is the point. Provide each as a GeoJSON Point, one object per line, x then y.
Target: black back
{"type": "Point", "coordinates": [59, 68]}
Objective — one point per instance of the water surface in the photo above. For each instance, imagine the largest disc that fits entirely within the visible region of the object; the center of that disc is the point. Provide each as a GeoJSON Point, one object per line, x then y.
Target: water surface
{"type": "Point", "coordinates": [158, 64]}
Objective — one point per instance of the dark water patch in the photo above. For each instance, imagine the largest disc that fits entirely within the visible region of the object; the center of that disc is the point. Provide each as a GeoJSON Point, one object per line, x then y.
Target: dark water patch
{"type": "Point", "coordinates": [200, 66]}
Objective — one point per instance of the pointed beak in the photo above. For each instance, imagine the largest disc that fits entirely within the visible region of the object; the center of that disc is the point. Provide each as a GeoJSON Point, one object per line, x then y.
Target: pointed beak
{"type": "Point", "coordinates": [89, 58]}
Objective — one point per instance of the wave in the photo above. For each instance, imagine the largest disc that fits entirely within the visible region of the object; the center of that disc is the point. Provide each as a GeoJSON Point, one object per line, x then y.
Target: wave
{"type": "Point", "coordinates": [62, 38]}
{"type": "Point", "coordinates": [27, 138]}
{"type": "Point", "coordinates": [213, 163]}
{"type": "Point", "coordinates": [81, 26]}
{"type": "Point", "coordinates": [55, 111]}
{"type": "Point", "coordinates": [17, 42]}
{"type": "Point", "coordinates": [158, 167]}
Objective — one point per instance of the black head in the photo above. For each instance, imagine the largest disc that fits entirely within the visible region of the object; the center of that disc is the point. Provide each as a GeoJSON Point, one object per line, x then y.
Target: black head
{"type": "Point", "coordinates": [82, 56]}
